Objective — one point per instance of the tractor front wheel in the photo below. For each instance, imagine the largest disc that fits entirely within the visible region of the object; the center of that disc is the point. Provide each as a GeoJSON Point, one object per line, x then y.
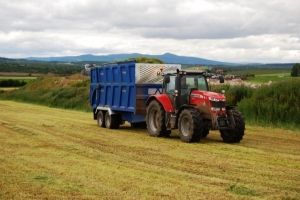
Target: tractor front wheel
{"type": "Point", "coordinates": [235, 135]}
{"type": "Point", "coordinates": [190, 125]}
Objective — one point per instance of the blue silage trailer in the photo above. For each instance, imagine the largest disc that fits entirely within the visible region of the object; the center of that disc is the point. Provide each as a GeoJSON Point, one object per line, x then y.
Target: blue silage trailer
{"type": "Point", "coordinates": [119, 91]}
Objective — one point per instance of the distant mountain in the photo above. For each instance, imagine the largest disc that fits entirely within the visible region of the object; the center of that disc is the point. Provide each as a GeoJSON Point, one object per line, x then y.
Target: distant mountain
{"type": "Point", "coordinates": [167, 58]}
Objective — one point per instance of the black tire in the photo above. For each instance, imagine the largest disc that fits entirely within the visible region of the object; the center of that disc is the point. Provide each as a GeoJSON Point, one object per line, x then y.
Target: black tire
{"type": "Point", "coordinates": [112, 121]}
{"type": "Point", "coordinates": [190, 125]}
{"type": "Point", "coordinates": [205, 132]}
{"type": "Point", "coordinates": [236, 135]}
{"type": "Point", "coordinates": [155, 119]}
{"type": "Point", "coordinates": [101, 118]}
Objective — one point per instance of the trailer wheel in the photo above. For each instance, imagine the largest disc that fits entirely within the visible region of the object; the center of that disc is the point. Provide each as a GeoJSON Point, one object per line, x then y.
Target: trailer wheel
{"type": "Point", "coordinates": [190, 125]}
{"type": "Point", "coordinates": [101, 119]}
{"type": "Point", "coordinates": [236, 135]}
{"type": "Point", "coordinates": [112, 121]}
{"type": "Point", "coordinates": [155, 119]}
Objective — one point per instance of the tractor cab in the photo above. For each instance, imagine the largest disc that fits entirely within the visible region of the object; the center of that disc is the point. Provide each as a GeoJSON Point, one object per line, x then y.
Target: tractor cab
{"type": "Point", "coordinates": [179, 86]}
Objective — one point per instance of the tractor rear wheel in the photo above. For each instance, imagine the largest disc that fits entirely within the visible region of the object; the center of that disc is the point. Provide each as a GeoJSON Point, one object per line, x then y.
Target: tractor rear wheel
{"type": "Point", "coordinates": [112, 121]}
{"type": "Point", "coordinates": [100, 118]}
{"type": "Point", "coordinates": [155, 119]}
{"type": "Point", "coordinates": [235, 135]}
{"type": "Point", "coordinates": [190, 125]}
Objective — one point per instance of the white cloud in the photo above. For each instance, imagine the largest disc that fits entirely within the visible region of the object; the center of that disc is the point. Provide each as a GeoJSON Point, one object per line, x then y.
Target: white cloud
{"type": "Point", "coordinates": [228, 30]}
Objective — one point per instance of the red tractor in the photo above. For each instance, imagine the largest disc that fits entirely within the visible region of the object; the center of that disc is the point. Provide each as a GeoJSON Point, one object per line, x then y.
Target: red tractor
{"type": "Point", "coordinates": [187, 104]}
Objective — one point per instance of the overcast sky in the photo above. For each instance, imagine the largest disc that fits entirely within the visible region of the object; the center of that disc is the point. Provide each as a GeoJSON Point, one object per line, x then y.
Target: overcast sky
{"type": "Point", "coordinates": [223, 30]}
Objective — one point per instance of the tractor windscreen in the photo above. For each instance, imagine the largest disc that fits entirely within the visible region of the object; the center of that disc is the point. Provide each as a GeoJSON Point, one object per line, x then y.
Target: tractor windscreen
{"type": "Point", "coordinates": [198, 82]}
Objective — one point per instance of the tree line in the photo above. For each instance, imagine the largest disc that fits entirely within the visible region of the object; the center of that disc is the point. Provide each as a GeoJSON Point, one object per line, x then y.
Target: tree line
{"type": "Point", "coordinates": [12, 83]}
{"type": "Point", "coordinates": [39, 67]}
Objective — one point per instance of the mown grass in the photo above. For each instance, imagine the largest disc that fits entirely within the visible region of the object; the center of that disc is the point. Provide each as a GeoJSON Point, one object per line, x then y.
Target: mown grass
{"type": "Point", "coordinates": [49, 153]}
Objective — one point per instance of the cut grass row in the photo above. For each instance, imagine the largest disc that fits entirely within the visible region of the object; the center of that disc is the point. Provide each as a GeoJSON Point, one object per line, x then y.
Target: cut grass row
{"type": "Point", "coordinates": [49, 153]}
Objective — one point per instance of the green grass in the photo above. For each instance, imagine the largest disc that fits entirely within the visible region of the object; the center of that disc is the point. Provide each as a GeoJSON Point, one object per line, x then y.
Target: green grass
{"type": "Point", "coordinates": [262, 72]}
{"type": "Point", "coordinates": [25, 79]}
{"type": "Point", "coordinates": [19, 77]}
{"type": "Point", "coordinates": [52, 91]}
{"type": "Point", "coordinates": [266, 79]}
{"type": "Point", "coordinates": [49, 153]}
{"type": "Point", "coordinates": [241, 190]}
{"type": "Point", "coordinates": [274, 75]}
{"type": "Point", "coordinates": [273, 105]}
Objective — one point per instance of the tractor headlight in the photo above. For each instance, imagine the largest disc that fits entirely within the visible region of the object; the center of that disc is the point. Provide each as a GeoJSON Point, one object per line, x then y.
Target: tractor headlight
{"type": "Point", "coordinates": [215, 109]}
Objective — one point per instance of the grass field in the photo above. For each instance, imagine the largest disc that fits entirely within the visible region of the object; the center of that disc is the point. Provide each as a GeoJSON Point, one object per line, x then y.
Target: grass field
{"type": "Point", "coordinates": [264, 72]}
{"type": "Point", "coordinates": [18, 77]}
{"type": "Point", "coordinates": [266, 79]}
{"type": "Point", "coordinates": [26, 79]}
{"type": "Point", "coordinates": [264, 76]}
{"type": "Point", "coordinates": [51, 153]}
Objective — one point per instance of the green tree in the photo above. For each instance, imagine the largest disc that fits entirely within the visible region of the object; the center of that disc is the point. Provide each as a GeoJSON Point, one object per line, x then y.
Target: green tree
{"type": "Point", "coordinates": [295, 70]}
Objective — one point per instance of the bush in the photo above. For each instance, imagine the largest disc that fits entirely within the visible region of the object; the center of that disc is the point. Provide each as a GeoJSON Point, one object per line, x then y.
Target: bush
{"type": "Point", "coordinates": [274, 105]}
{"type": "Point", "coordinates": [234, 94]}
{"type": "Point", "coordinates": [295, 70]}
{"type": "Point", "coordinates": [11, 83]}
{"type": "Point", "coordinates": [237, 93]}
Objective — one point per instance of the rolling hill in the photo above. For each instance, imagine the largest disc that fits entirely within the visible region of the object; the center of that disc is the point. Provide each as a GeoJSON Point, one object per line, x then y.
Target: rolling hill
{"type": "Point", "coordinates": [167, 58]}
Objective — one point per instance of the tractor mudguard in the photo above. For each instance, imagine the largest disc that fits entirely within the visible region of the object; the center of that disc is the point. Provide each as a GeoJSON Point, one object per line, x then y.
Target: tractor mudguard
{"type": "Point", "coordinates": [164, 100]}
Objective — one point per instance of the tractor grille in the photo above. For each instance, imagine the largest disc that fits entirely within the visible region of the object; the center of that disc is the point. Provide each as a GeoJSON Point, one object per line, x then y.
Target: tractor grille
{"type": "Point", "coordinates": [217, 104]}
